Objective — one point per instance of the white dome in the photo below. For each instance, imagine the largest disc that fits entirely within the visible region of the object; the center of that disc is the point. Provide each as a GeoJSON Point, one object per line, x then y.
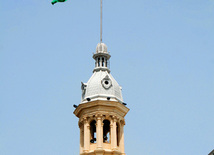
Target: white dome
{"type": "Point", "coordinates": [100, 86]}
{"type": "Point", "coordinates": [101, 48]}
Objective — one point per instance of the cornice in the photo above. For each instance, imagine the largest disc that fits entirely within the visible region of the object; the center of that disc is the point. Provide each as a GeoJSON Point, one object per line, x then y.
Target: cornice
{"type": "Point", "coordinates": [99, 106]}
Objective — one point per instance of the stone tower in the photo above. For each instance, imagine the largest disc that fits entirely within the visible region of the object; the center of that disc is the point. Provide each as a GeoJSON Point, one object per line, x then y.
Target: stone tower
{"type": "Point", "coordinates": [101, 111]}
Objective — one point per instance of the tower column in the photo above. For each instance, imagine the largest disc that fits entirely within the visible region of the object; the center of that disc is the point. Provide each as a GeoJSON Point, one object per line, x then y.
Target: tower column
{"type": "Point", "coordinates": [99, 128]}
{"type": "Point", "coordinates": [86, 135]}
{"type": "Point", "coordinates": [113, 133]}
{"type": "Point", "coordinates": [96, 62]}
{"type": "Point", "coordinates": [81, 138]}
{"type": "Point", "coordinates": [122, 138]}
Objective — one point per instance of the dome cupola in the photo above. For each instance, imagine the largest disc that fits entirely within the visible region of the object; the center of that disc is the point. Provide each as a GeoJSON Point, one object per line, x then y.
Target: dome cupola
{"type": "Point", "coordinates": [101, 85]}
{"type": "Point", "coordinates": [101, 57]}
{"type": "Point", "coordinates": [101, 48]}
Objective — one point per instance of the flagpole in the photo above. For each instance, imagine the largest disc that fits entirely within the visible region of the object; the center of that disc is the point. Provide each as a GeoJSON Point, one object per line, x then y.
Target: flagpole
{"type": "Point", "coordinates": [101, 18]}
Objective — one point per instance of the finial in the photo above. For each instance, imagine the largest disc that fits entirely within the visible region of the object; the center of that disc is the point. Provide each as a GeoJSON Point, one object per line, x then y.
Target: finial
{"type": "Point", "coordinates": [101, 18]}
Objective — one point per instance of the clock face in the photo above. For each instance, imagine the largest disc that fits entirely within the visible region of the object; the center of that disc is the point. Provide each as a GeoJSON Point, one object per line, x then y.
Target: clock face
{"type": "Point", "coordinates": [106, 82]}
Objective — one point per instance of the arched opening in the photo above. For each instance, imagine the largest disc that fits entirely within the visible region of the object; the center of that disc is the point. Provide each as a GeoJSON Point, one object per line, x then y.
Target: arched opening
{"type": "Point", "coordinates": [106, 131]}
{"type": "Point", "coordinates": [93, 132]}
{"type": "Point", "coordinates": [118, 134]}
{"type": "Point", "coordinates": [98, 62]}
{"type": "Point", "coordinates": [102, 62]}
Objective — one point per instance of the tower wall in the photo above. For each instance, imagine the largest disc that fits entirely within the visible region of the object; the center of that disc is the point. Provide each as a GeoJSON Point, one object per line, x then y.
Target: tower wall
{"type": "Point", "coordinates": [106, 137]}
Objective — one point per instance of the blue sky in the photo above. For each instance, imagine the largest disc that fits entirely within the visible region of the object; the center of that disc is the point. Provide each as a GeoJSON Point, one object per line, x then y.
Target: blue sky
{"type": "Point", "coordinates": [162, 56]}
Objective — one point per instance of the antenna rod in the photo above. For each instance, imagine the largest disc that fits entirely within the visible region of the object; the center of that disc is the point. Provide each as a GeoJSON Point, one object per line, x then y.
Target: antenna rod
{"type": "Point", "coordinates": [101, 18]}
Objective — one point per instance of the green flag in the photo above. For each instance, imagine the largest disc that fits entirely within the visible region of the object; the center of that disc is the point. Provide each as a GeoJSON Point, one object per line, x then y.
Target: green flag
{"type": "Point", "coordinates": [55, 1]}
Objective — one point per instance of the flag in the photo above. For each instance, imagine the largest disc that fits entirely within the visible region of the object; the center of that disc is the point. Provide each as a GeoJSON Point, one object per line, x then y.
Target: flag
{"type": "Point", "coordinates": [55, 1]}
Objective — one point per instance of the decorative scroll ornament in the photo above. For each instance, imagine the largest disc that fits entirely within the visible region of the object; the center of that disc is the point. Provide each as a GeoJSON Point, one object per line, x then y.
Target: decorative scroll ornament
{"type": "Point", "coordinates": [83, 87]}
{"type": "Point", "coordinates": [106, 82]}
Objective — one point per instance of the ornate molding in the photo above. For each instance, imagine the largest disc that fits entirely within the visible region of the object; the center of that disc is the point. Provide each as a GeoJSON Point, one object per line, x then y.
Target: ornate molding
{"type": "Point", "coordinates": [106, 82]}
{"type": "Point", "coordinates": [101, 107]}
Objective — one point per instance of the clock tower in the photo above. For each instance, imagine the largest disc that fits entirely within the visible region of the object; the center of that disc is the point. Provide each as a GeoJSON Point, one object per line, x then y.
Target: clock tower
{"type": "Point", "coordinates": [102, 110]}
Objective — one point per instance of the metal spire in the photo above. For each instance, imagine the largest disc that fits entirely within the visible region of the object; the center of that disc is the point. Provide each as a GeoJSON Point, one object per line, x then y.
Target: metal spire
{"type": "Point", "coordinates": [101, 18]}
